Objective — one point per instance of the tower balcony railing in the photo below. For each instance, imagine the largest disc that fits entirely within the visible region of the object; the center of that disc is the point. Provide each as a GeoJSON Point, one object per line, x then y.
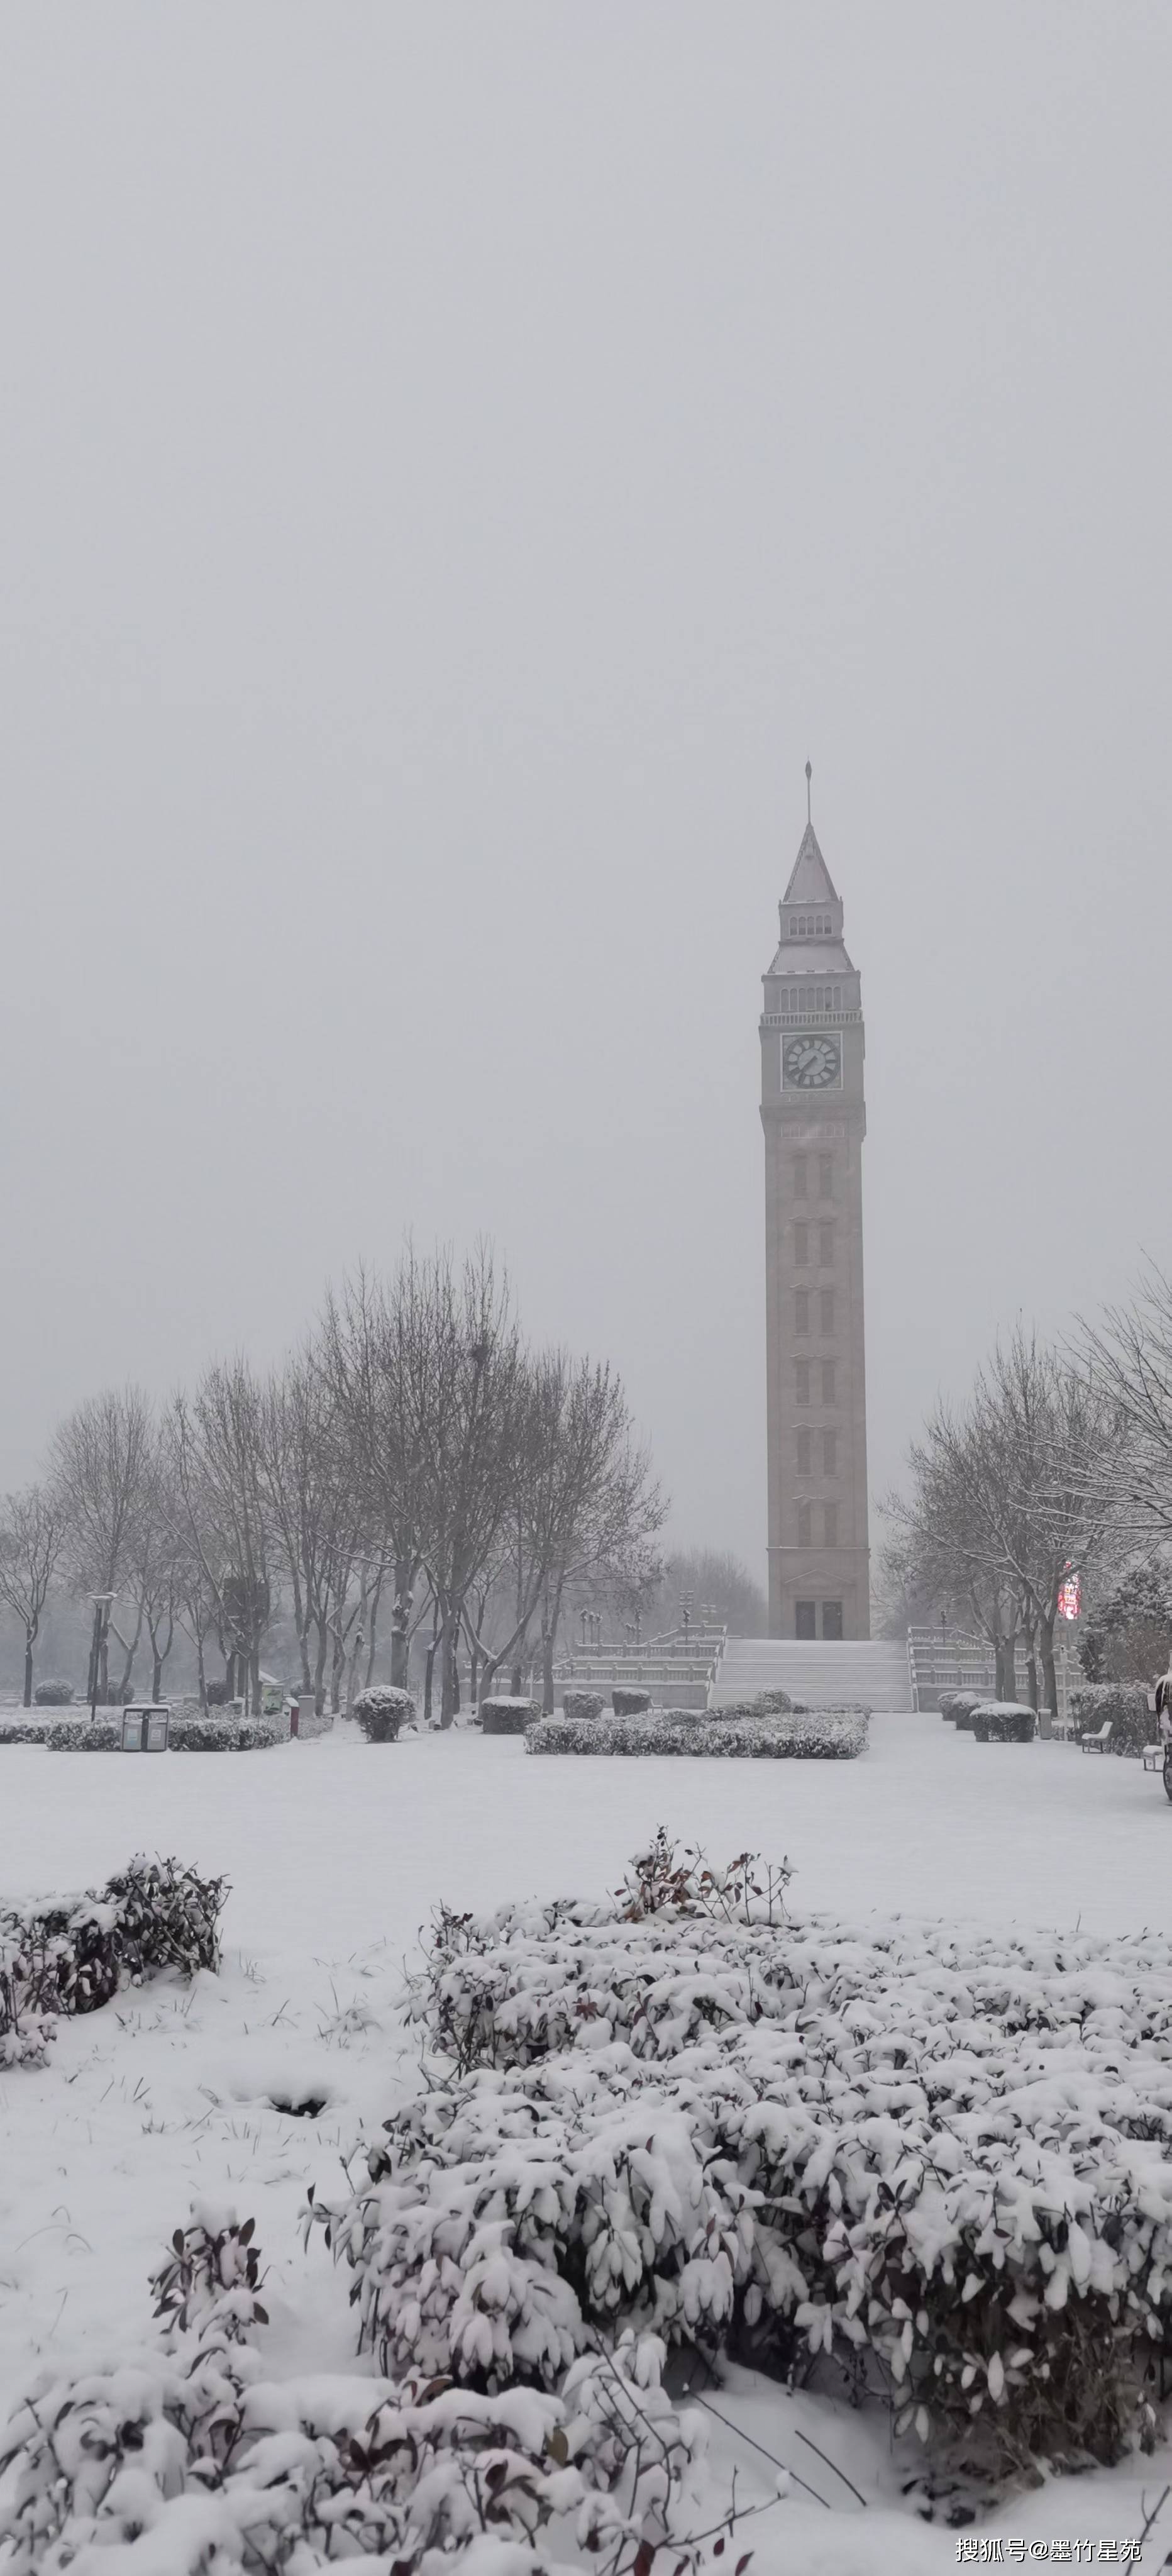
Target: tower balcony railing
{"type": "Point", "coordinates": [808, 1019]}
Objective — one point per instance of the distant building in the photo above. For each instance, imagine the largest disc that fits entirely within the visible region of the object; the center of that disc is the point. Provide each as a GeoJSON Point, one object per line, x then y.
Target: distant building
{"type": "Point", "coordinates": [814, 1117]}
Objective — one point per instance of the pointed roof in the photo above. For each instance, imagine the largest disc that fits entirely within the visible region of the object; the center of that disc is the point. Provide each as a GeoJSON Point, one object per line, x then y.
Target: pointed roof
{"type": "Point", "coordinates": [811, 880]}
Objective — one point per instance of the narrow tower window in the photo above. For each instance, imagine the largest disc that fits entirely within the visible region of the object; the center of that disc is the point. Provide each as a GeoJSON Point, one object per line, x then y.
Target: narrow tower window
{"type": "Point", "coordinates": [803, 1453]}
{"type": "Point", "coordinates": [803, 1524]}
{"type": "Point", "coordinates": [799, 1176]}
{"type": "Point", "coordinates": [825, 1176]}
{"type": "Point", "coordinates": [830, 1516]}
{"type": "Point", "coordinates": [802, 1380]}
{"type": "Point", "coordinates": [826, 1246]}
{"type": "Point", "coordinates": [826, 1309]}
{"type": "Point", "coordinates": [829, 1453]}
{"type": "Point", "coordinates": [802, 1310]}
{"type": "Point", "coordinates": [827, 1380]}
{"type": "Point", "coordinates": [801, 1245]}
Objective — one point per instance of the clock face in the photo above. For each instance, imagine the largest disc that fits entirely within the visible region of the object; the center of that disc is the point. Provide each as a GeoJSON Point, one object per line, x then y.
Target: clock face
{"type": "Point", "coordinates": [811, 1063]}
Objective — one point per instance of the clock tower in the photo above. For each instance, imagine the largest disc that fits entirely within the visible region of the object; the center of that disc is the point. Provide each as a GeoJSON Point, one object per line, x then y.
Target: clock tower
{"type": "Point", "coordinates": [813, 1113]}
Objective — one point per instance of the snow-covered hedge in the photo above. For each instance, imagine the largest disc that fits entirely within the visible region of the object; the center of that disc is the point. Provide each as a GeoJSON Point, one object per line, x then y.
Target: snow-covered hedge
{"type": "Point", "coordinates": [382, 1710]}
{"type": "Point", "coordinates": [820, 1735]}
{"type": "Point", "coordinates": [629, 1703]}
{"type": "Point", "coordinates": [950, 2171]}
{"type": "Point", "coordinates": [583, 1704]}
{"type": "Point", "coordinates": [24, 1729]}
{"type": "Point", "coordinates": [961, 1712]}
{"type": "Point", "coordinates": [223, 1734]}
{"type": "Point", "coordinates": [183, 2454]}
{"type": "Point", "coordinates": [69, 1954]}
{"type": "Point", "coordinates": [84, 1734]}
{"type": "Point", "coordinates": [256, 1734]}
{"type": "Point", "coordinates": [1125, 1703]}
{"type": "Point", "coordinates": [1003, 1721]}
{"type": "Point", "coordinates": [53, 1694]}
{"type": "Point", "coordinates": [508, 1716]}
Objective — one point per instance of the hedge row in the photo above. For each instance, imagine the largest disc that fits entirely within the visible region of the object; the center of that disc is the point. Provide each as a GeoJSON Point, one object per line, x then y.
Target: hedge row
{"type": "Point", "coordinates": [184, 1735]}
{"type": "Point", "coordinates": [826, 1735]}
{"type": "Point", "coordinates": [68, 1954]}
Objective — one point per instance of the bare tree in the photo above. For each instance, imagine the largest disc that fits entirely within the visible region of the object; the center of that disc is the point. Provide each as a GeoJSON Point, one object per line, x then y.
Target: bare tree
{"type": "Point", "coordinates": [368, 1354]}
{"type": "Point", "coordinates": [216, 1458]}
{"type": "Point", "coordinates": [100, 1477]}
{"type": "Point", "coordinates": [1009, 1499]}
{"type": "Point", "coordinates": [584, 1502]}
{"type": "Point", "coordinates": [32, 1535]}
{"type": "Point", "coordinates": [1129, 1357]}
{"type": "Point", "coordinates": [315, 1505]}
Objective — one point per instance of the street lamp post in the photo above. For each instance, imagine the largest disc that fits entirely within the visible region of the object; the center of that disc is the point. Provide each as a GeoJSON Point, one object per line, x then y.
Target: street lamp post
{"type": "Point", "coordinates": [101, 1602]}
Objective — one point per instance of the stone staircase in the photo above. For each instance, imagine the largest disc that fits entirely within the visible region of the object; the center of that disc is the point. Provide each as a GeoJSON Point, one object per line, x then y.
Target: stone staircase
{"type": "Point", "coordinates": [872, 1671]}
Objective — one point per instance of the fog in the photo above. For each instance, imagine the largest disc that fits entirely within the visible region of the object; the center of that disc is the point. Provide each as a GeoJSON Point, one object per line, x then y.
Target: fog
{"type": "Point", "coordinates": [458, 464]}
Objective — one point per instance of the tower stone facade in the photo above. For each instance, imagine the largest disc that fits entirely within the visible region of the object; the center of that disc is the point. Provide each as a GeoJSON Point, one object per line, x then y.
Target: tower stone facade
{"type": "Point", "coordinates": [814, 1116]}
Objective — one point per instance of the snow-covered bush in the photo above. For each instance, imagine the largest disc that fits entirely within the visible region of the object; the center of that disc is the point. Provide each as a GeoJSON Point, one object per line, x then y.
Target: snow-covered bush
{"type": "Point", "coordinates": [69, 1954]}
{"type": "Point", "coordinates": [24, 1729]}
{"type": "Point", "coordinates": [821, 1735]}
{"type": "Point", "coordinates": [582, 1704]}
{"type": "Point", "coordinates": [257, 1734]}
{"type": "Point", "coordinates": [961, 1711]}
{"type": "Point", "coordinates": [184, 2446]}
{"type": "Point", "coordinates": [84, 1734]}
{"type": "Point", "coordinates": [949, 2172]}
{"type": "Point", "coordinates": [629, 1703]}
{"type": "Point", "coordinates": [217, 1693]}
{"type": "Point", "coordinates": [382, 1710]}
{"type": "Point", "coordinates": [53, 1694]}
{"type": "Point", "coordinates": [1003, 1721]}
{"type": "Point", "coordinates": [204, 1734]}
{"type": "Point", "coordinates": [508, 1716]}
{"type": "Point", "coordinates": [1125, 1703]}
{"type": "Point", "coordinates": [762, 1704]}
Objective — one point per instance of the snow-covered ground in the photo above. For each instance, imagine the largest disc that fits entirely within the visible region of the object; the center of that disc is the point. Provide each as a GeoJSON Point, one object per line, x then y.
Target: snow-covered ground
{"type": "Point", "coordinates": [337, 1852]}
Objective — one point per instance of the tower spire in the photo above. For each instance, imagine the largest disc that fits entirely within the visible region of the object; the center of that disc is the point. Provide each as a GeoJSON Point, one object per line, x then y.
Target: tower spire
{"type": "Point", "coordinates": [809, 775]}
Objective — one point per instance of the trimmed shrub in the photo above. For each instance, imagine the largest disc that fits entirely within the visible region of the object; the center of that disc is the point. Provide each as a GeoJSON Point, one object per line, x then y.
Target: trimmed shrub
{"type": "Point", "coordinates": [53, 1694]}
{"type": "Point", "coordinates": [509, 1716]}
{"type": "Point", "coordinates": [382, 1710]}
{"type": "Point", "coordinates": [69, 1954]}
{"type": "Point", "coordinates": [961, 1712]}
{"type": "Point", "coordinates": [24, 1729]}
{"type": "Point", "coordinates": [84, 1735]}
{"type": "Point", "coordinates": [1125, 1703]}
{"type": "Point", "coordinates": [820, 1735]}
{"type": "Point", "coordinates": [217, 1694]}
{"type": "Point", "coordinates": [630, 1703]}
{"type": "Point", "coordinates": [582, 1704]}
{"type": "Point", "coordinates": [1003, 1721]}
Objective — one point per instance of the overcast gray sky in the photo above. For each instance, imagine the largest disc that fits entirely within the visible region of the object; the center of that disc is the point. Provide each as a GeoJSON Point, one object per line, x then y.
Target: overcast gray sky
{"type": "Point", "coordinates": [457, 462]}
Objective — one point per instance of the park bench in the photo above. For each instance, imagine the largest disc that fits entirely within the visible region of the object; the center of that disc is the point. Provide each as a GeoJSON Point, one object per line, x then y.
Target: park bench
{"type": "Point", "coordinates": [1099, 1741]}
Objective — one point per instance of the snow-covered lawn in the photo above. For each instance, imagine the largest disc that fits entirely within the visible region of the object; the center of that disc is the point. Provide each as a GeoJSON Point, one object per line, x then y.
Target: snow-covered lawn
{"type": "Point", "coordinates": [337, 1852]}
